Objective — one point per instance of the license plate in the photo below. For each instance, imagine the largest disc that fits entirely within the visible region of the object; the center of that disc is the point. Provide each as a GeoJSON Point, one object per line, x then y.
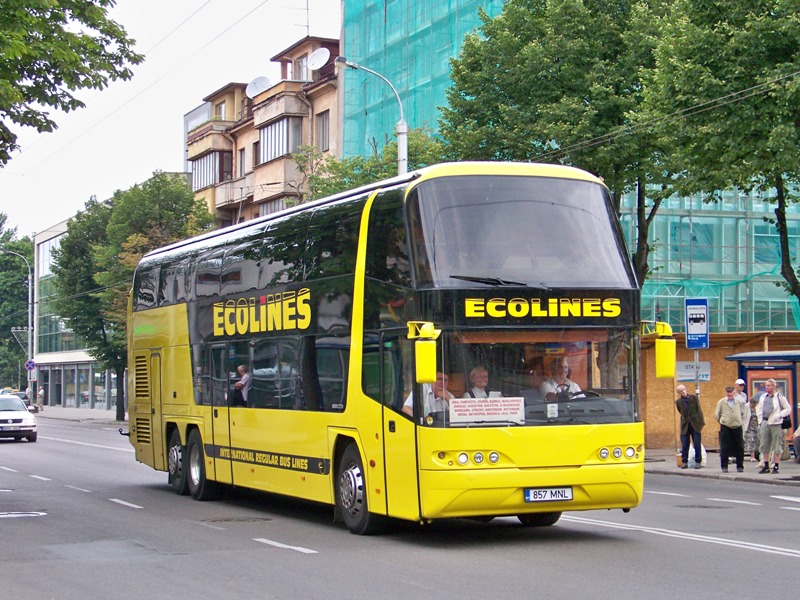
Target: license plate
{"type": "Point", "coordinates": [561, 494]}
{"type": "Point", "coordinates": [10, 428]}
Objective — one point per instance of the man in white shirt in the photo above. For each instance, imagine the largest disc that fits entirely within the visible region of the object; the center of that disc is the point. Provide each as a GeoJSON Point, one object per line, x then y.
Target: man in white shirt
{"type": "Point", "coordinates": [558, 385]}
{"type": "Point", "coordinates": [435, 397]}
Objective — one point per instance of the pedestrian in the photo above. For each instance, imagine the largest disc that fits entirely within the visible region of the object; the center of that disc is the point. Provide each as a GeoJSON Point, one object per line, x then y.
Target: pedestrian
{"type": "Point", "coordinates": [771, 408]}
{"type": "Point", "coordinates": [692, 423]}
{"type": "Point", "coordinates": [752, 441]}
{"type": "Point", "coordinates": [40, 398]}
{"type": "Point", "coordinates": [730, 415]}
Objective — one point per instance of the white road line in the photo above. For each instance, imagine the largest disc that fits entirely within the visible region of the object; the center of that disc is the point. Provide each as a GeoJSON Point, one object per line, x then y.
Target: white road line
{"type": "Point", "coordinates": [6, 490]}
{"type": "Point", "coordinates": [118, 501]}
{"type": "Point", "coordinates": [689, 536]}
{"type": "Point", "coordinates": [668, 494]}
{"type": "Point", "coordinates": [9, 469]}
{"type": "Point", "coordinates": [284, 546]}
{"type": "Point", "coordinates": [734, 501]}
{"type": "Point", "coordinates": [789, 507]}
{"type": "Point", "coordinates": [206, 525]}
{"type": "Point", "coordinates": [52, 439]}
{"type": "Point", "coordinates": [787, 498]}
{"type": "Point", "coordinates": [39, 477]}
{"type": "Point", "coordinates": [72, 487]}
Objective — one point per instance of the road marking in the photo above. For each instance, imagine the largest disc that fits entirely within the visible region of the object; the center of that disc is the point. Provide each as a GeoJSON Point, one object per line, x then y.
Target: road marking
{"type": "Point", "coordinates": [787, 498]}
{"type": "Point", "coordinates": [284, 546]}
{"type": "Point", "coordinates": [52, 439]}
{"type": "Point", "coordinates": [734, 501]}
{"type": "Point", "coordinates": [668, 494]}
{"type": "Point", "coordinates": [79, 489]}
{"type": "Point", "coordinates": [118, 501]}
{"type": "Point", "coordinates": [6, 490]}
{"type": "Point", "coordinates": [206, 525]}
{"type": "Point", "coordinates": [16, 515]}
{"type": "Point", "coordinates": [789, 507]}
{"type": "Point", "coordinates": [39, 477]}
{"type": "Point", "coordinates": [689, 536]}
{"type": "Point", "coordinates": [9, 469]}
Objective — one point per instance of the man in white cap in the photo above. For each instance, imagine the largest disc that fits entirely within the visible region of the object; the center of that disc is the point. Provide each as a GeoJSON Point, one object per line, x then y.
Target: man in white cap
{"type": "Point", "coordinates": [740, 396]}
{"type": "Point", "coordinates": [739, 393]}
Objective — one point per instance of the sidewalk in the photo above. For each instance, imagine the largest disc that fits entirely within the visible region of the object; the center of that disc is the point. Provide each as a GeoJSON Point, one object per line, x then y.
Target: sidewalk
{"type": "Point", "coordinates": [662, 461]}
{"type": "Point", "coordinates": [80, 414]}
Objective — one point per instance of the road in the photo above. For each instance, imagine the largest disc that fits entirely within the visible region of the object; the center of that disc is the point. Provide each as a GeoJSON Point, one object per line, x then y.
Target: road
{"type": "Point", "coordinates": [79, 518]}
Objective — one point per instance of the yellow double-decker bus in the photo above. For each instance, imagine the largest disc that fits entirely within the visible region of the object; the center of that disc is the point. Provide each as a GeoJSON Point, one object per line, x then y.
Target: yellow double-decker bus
{"type": "Point", "coordinates": [461, 341]}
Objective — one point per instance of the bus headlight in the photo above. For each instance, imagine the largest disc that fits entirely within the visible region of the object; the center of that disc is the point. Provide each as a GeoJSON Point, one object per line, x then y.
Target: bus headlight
{"type": "Point", "coordinates": [478, 458]}
{"type": "Point", "coordinates": [630, 452]}
{"type": "Point", "coordinates": [604, 453]}
{"type": "Point", "coordinates": [493, 457]}
{"type": "Point", "coordinates": [617, 452]}
{"type": "Point", "coordinates": [463, 458]}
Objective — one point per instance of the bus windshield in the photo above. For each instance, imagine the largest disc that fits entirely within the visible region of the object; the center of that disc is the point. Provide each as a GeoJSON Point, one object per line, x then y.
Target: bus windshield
{"type": "Point", "coordinates": [494, 231]}
{"type": "Point", "coordinates": [536, 378]}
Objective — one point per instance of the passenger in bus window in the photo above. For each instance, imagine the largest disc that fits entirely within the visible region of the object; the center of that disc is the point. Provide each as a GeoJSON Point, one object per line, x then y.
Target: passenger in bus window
{"type": "Point", "coordinates": [479, 380]}
{"type": "Point", "coordinates": [435, 397]}
{"type": "Point", "coordinates": [242, 386]}
{"type": "Point", "coordinates": [559, 386]}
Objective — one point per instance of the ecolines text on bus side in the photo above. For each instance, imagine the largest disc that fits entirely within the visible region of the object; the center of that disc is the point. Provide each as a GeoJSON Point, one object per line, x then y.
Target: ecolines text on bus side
{"type": "Point", "coordinates": [283, 311]}
{"type": "Point", "coordinates": [536, 307]}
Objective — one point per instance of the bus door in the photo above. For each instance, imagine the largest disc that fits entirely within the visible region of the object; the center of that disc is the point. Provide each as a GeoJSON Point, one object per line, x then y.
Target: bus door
{"type": "Point", "coordinates": [157, 444]}
{"type": "Point", "coordinates": [400, 451]}
{"type": "Point", "coordinates": [220, 414]}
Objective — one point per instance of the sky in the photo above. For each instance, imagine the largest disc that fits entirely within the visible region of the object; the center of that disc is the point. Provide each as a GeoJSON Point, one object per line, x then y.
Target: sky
{"type": "Point", "coordinates": [133, 128]}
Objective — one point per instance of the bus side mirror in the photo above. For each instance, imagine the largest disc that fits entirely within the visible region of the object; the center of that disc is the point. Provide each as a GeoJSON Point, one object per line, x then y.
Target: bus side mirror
{"type": "Point", "coordinates": [665, 358]}
{"type": "Point", "coordinates": [425, 357]}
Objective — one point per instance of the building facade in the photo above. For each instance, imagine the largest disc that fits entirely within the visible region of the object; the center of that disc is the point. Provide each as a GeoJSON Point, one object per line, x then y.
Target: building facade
{"type": "Point", "coordinates": [241, 153]}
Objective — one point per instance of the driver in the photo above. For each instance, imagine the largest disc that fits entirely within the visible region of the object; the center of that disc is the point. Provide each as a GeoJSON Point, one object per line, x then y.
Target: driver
{"type": "Point", "coordinates": [435, 397]}
{"type": "Point", "coordinates": [558, 385]}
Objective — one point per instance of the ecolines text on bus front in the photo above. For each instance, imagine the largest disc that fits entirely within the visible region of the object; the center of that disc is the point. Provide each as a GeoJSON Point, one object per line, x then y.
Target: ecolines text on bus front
{"type": "Point", "coordinates": [536, 307]}
{"type": "Point", "coordinates": [272, 312]}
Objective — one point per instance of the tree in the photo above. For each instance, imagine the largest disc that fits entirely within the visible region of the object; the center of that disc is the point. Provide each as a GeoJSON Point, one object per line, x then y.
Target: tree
{"type": "Point", "coordinates": [49, 49]}
{"type": "Point", "coordinates": [97, 257]}
{"type": "Point", "coordinates": [731, 70]}
{"type": "Point", "coordinates": [561, 81]}
{"type": "Point", "coordinates": [13, 304]}
{"type": "Point", "coordinates": [324, 175]}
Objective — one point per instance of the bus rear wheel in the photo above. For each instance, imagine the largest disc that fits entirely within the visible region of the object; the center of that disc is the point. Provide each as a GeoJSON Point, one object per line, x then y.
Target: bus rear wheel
{"type": "Point", "coordinates": [199, 486]}
{"type": "Point", "coordinates": [351, 495]}
{"type": "Point", "coordinates": [175, 465]}
{"type": "Point", "coordinates": [539, 519]}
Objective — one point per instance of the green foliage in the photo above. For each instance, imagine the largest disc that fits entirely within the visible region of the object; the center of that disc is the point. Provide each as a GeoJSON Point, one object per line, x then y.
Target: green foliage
{"type": "Point", "coordinates": [13, 304]}
{"type": "Point", "coordinates": [324, 175]}
{"type": "Point", "coordinates": [97, 257]}
{"type": "Point", "coordinates": [49, 49]}
{"type": "Point", "coordinates": [731, 70]}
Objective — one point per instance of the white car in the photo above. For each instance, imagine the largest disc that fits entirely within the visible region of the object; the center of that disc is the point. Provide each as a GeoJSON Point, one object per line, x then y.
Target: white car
{"type": "Point", "coordinates": [16, 421]}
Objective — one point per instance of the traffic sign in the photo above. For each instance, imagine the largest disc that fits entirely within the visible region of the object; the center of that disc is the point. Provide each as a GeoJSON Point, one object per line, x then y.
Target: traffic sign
{"type": "Point", "coordinates": [696, 323]}
{"type": "Point", "coordinates": [29, 365]}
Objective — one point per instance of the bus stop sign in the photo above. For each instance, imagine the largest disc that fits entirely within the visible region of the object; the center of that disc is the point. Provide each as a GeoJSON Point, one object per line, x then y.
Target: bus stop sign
{"type": "Point", "coordinates": [696, 323]}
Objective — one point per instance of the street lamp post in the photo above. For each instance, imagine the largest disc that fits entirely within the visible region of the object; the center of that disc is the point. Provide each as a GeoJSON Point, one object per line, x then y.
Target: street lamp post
{"type": "Point", "coordinates": [30, 306]}
{"type": "Point", "coordinates": [401, 128]}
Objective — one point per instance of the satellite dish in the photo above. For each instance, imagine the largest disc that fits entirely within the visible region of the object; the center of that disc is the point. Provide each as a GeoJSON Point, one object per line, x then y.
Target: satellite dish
{"type": "Point", "coordinates": [318, 58]}
{"type": "Point", "coordinates": [255, 87]}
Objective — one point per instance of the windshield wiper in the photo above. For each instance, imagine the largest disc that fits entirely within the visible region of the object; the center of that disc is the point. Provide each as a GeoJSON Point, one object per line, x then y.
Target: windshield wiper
{"type": "Point", "coordinates": [488, 280]}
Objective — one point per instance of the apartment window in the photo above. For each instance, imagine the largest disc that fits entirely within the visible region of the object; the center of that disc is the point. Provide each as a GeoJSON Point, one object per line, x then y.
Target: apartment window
{"type": "Point", "coordinates": [271, 206]}
{"type": "Point", "coordinates": [300, 68]}
{"type": "Point", "coordinates": [323, 131]}
{"type": "Point", "coordinates": [280, 138]}
{"type": "Point", "coordinates": [241, 162]}
{"type": "Point", "coordinates": [219, 111]}
{"type": "Point", "coordinates": [256, 154]}
{"type": "Point", "coordinates": [211, 168]}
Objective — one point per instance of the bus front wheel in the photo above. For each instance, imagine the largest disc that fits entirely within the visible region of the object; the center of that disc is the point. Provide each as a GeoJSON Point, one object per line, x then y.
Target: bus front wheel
{"type": "Point", "coordinates": [539, 519]}
{"type": "Point", "coordinates": [199, 487]}
{"type": "Point", "coordinates": [176, 468]}
{"type": "Point", "coordinates": [351, 494]}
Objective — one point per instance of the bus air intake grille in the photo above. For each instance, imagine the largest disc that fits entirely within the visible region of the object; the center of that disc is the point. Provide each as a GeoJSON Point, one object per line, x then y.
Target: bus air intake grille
{"type": "Point", "coordinates": [143, 433]}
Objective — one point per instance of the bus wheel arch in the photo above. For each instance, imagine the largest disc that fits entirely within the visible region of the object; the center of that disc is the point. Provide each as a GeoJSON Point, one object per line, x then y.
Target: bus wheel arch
{"type": "Point", "coordinates": [350, 488]}
{"type": "Point", "coordinates": [200, 487]}
{"type": "Point", "coordinates": [176, 462]}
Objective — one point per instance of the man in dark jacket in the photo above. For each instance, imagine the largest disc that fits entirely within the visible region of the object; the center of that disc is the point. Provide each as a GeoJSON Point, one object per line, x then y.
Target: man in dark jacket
{"type": "Point", "coordinates": [692, 423]}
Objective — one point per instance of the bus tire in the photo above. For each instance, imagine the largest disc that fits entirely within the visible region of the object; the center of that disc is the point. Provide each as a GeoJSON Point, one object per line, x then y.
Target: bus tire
{"type": "Point", "coordinates": [539, 519]}
{"type": "Point", "coordinates": [176, 468]}
{"type": "Point", "coordinates": [199, 486]}
{"type": "Point", "coordinates": [351, 494]}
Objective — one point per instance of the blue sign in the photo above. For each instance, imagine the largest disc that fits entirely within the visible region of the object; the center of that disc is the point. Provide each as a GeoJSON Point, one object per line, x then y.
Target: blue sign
{"type": "Point", "coordinates": [696, 323]}
{"type": "Point", "coordinates": [30, 365]}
